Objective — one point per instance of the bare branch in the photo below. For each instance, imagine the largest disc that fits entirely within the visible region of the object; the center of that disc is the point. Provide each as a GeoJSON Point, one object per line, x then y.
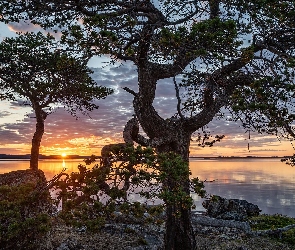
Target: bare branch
{"type": "Point", "coordinates": [130, 91]}
{"type": "Point", "coordinates": [178, 99]}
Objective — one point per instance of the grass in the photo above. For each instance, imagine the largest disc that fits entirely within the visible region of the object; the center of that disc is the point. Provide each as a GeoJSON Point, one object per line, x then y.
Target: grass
{"type": "Point", "coordinates": [272, 222]}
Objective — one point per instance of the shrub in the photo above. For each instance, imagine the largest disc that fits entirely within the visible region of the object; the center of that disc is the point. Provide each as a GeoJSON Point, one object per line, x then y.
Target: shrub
{"type": "Point", "coordinates": [22, 221]}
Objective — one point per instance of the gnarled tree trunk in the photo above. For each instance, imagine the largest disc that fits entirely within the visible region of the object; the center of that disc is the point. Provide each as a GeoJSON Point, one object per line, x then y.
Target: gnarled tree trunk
{"type": "Point", "coordinates": [166, 135]}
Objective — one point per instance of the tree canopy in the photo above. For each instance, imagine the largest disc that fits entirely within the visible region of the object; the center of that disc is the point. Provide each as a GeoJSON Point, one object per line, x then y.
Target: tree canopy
{"type": "Point", "coordinates": [36, 71]}
{"type": "Point", "coordinates": [224, 49]}
{"type": "Point", "coordinates": [234, 54]}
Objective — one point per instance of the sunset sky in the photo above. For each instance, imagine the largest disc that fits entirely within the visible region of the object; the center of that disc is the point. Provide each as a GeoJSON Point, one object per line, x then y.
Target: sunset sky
{"type": "Point", "coordinates": [87, 135]}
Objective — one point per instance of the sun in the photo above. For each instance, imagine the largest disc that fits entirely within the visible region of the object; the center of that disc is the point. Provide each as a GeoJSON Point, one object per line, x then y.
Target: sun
{"type": "Point", "coordinates": [63, 155]}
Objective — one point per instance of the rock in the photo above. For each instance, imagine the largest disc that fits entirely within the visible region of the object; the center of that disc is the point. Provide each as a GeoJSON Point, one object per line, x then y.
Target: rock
{"type": "Point", "coordinates": [25, 207]}
{"type": "Point", "coordinates": [220, 224]}
{"type": "Point", "coordinates": [230, 209]}
{"type": "Point", "coordinates": [16, 178]}
{"type": "Point", "coordinates": [70, 244]}
{"type": "Point", "coordinates": [40, 196]}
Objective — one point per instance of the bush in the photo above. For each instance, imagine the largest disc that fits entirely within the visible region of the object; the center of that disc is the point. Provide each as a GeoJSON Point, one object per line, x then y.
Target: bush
{"type": "Point", "coordinates": [96, 195]}
{"type": "Point", "coordinates": [22, 221]}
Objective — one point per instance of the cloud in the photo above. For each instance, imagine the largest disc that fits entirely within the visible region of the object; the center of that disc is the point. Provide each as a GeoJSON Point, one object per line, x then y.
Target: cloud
{"type": "Point", "coordinates": [8, 136]}
{"type": "Point", "coordinates": [4, 114]}
{"type": "Point", "coordinates": [27, 26]}
{"type": "Point", "coordinates": [88, 134]}
{"type": "Point", "coordinates": [5, 31]}
{"type": "Point", "coordinates": [23, 26]}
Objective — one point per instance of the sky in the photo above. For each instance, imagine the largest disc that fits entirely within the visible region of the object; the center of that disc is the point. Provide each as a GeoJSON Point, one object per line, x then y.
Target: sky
{"type": "Point", "coordinates": [88, 134]}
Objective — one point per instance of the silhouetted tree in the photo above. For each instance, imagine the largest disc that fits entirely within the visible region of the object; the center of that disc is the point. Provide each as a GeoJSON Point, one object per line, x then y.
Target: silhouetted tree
{"type": "Point", "coordinates": [33, 70]}
{"type": "Point", "coordinates": [229, 54]}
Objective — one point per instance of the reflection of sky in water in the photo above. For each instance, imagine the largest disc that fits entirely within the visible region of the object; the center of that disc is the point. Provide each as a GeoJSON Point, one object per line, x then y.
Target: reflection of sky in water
{"type": "Point", "coordinates": [50, 167]}
{"type": "Point", "coordinates": [268, 183]}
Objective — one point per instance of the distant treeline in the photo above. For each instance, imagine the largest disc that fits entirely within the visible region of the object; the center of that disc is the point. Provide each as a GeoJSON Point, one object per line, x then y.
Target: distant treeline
{"type": "Point", "coordinates": [27, 157]}
{"type": "Point", "coordinates": [8, 156]}
{"type": "Point", "coordinates": [236, 157]}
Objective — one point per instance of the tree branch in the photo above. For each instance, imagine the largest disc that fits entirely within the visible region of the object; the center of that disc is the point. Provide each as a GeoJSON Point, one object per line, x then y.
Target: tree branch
{"type": "Point", "coordinates": [208, 113]}
{"type": "Point", "coordinates": [178, 99]}
{"type": "Point", "coordinates": [130, 91]}
{"type": "Point", "coordinates": [214, 8]}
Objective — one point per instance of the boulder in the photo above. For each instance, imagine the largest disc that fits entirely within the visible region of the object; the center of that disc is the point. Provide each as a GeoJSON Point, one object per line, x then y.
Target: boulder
{"type": "Point", "coordinates": [19, 177]}
{"type": "Point", "coordinates": [230, 209]}
{"type": "Point", "coordinates": [38, 196]}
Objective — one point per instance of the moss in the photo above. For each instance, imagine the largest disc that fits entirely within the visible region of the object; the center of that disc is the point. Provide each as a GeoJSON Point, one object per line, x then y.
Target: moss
{"type": "Point", "coordinates": [265, 222]}
{"type": "Point", "coordinates": [142, 241]}
{"type": "Point", "coordinates": [289, 236]}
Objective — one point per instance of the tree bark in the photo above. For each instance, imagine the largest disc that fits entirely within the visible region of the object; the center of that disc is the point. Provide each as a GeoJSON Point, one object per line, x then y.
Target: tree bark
{"type": "Point", "coordinates": [179, 230]}
{"type": "Point", "coordinates": [36, 141]}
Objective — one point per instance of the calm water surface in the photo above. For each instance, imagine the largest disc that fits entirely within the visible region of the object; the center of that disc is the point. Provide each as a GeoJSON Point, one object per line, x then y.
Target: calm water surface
{"type": "Point", "coordinates": [268, 183]}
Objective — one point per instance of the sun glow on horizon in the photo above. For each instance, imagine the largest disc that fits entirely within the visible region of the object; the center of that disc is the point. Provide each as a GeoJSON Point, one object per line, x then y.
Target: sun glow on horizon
{"type": "Point", "coordinates": [63, 155]}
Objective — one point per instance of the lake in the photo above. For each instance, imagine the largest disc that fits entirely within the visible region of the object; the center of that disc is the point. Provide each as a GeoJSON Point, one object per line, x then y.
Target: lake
{"type": "Point", "coordinates": [267, 183]}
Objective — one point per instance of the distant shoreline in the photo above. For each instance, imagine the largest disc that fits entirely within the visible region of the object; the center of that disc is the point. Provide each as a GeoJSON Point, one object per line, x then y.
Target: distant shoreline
{"type": "Point", "coordinates": [59, 157]}
{"type": "Point", "coordinates": [237, 157]}
{"type": "Point", "coordinates": [41, 157]}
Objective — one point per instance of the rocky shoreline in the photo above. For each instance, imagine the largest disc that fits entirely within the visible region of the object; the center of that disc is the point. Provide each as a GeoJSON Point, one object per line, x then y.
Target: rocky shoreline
{"type": "Point", "coordinates": [150, 237]}
{"type": "Point", "coordinates": [216, 231]}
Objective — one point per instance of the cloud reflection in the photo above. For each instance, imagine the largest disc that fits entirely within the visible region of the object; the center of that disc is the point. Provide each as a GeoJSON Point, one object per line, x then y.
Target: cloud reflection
{"type": "Point", "coordinates": [268, 184]}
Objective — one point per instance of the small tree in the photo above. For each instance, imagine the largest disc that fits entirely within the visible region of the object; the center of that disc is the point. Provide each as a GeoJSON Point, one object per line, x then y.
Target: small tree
{"type": "Point", "coordinates": [33, 70]}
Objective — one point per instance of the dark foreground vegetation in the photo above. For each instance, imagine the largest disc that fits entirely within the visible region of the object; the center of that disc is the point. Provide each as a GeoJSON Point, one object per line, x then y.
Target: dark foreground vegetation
{"type": "Point", "coordinates": [25, 209]}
